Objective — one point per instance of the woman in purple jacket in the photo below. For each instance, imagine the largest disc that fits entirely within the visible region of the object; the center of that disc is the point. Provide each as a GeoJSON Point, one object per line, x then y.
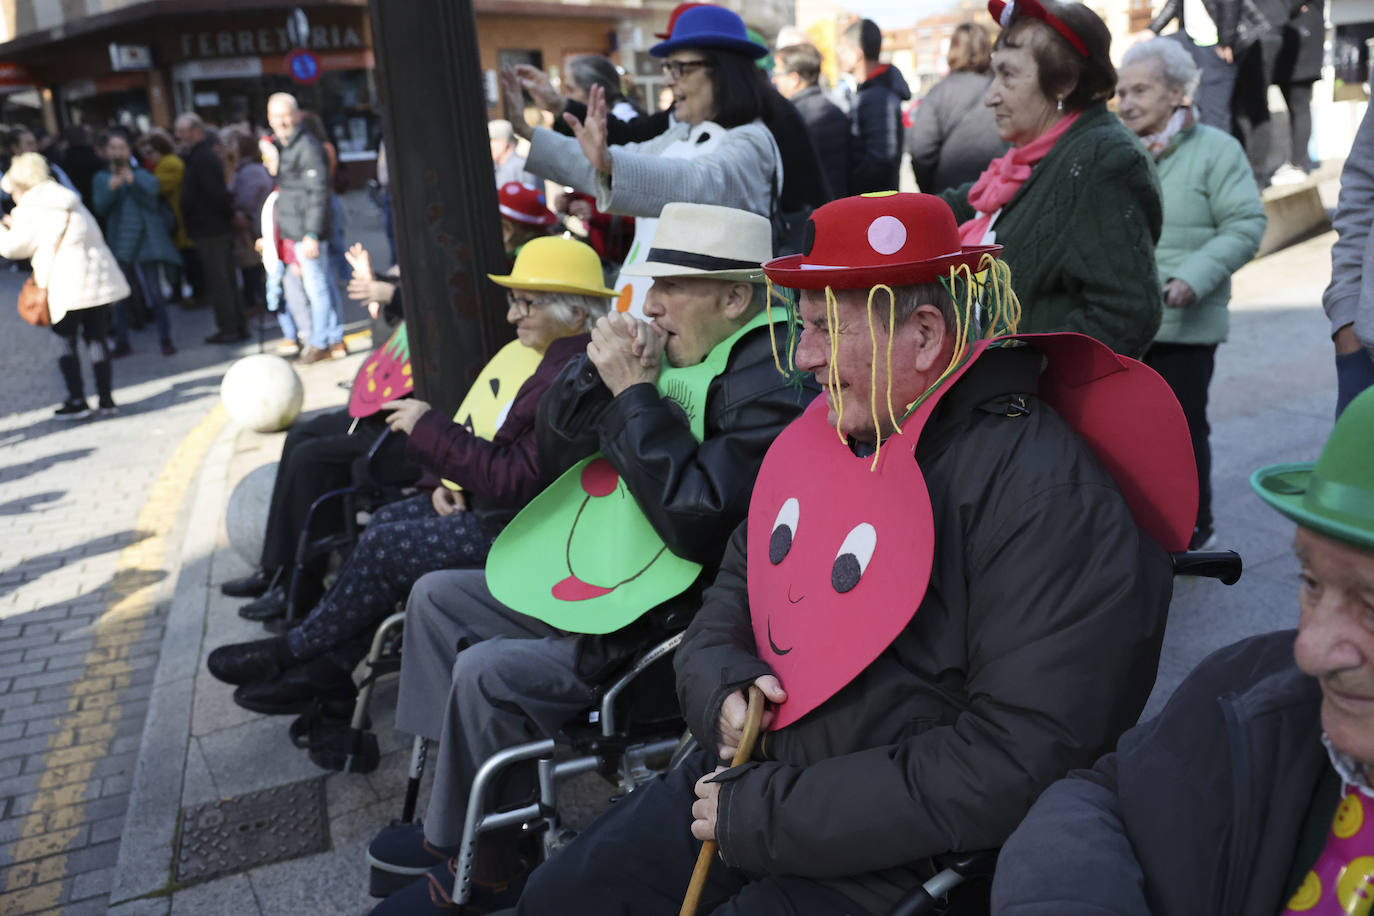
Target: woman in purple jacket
{"type": "Point", "coordinates": [556, 295]}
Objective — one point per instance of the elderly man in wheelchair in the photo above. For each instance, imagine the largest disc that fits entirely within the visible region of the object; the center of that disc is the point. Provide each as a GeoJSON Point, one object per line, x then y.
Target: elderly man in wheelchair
{"type": "Point", "coordinates": [951, 589]}
{"type": "Point", "coordinates": [655, 436]}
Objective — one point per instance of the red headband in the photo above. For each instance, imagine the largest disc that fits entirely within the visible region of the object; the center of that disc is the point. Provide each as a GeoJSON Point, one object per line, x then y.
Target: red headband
{"type": "Point", "coordinates": [1004, 10]}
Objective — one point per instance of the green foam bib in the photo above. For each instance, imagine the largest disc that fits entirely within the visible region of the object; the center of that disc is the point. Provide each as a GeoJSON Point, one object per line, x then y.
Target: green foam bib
{"type": "Point", "coordinates": [582, 556]}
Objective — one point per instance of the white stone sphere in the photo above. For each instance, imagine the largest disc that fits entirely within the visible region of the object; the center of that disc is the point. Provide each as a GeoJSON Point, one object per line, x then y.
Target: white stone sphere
{"type": "Point", "coordinates": [262, 392]}
{"type": "Point", "coordinates": [245, 517]}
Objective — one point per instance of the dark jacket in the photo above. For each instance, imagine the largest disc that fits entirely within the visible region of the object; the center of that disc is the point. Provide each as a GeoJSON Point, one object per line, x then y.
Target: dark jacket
{"type": "Point", "coordinates": [693, 493]}
{"type": "Point", "coordinates": [1080, 236]}
{"type": "Point", "coordinates": [207, 209]}
{"type": "Point", "coordinates": [134, 229]}
{"type": "Point", "coordinates": [1239, 22]}
{"type": "Point", "coordinates": [499, 476]}
{"type": "Point", "coordinates": [877, 132]}
{"type": "Point", "coordinates": [81, 162]}
{"type": "Point", "coordinates": [1020, 664]}
{"type": "Point", "coordinates": [1198, 811]}
{"type": "Point", "coordinates": [303, 179]}
{"type": "Point", "coordinates": [829, 130]}
{"type": "Point", "coordinates": [954, 135]}
{"type": "Point", "coordinates": [1304, 37]}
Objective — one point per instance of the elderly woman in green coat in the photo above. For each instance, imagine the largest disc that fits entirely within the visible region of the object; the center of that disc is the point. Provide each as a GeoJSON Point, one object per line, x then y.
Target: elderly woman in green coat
{"type": "Point", "coordinates": [1213, 220]}
{"type": "Point", "coordinates": [125, 198]}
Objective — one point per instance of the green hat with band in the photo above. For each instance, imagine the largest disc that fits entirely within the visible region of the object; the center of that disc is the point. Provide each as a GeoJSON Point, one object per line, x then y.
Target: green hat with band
{"type": "Point", "coordinates": [1335, 496]}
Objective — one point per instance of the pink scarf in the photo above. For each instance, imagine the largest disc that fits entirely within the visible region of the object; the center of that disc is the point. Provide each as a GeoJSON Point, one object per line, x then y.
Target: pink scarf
{"type": "Point", "coordinates": [1003, 178]}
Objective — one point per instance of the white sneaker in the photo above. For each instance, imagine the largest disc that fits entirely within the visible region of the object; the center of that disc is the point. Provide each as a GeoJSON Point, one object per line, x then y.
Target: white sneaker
{"type": "Point", "coordinates": [1288, 173]}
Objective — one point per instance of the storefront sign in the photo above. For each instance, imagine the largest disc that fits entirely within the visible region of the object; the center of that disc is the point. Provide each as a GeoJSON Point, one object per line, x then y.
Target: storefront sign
{"type": "Point", "coordinates": [303, 66]}
{"type": "Point", "coordinates": [130, 57]}
{"type": "Point", "coordinates": [266, 41]}
{"type": "Point", "coordinates": [227, 69]}
{"type": "Point", "coordinates": [16, 75]}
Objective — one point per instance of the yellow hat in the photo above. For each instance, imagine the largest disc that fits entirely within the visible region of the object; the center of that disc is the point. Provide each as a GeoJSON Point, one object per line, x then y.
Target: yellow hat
{"type": "Point", "coordinates": [556, 265]}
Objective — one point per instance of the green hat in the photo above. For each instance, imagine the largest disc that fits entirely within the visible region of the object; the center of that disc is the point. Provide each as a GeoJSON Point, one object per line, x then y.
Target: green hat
{"type": "Point", "coordinates": [1335, 496]}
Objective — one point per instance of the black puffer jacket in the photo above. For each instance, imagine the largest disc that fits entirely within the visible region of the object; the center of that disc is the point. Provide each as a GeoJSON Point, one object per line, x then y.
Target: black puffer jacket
{"type": "Point", "coordinates": [829, 130]}
{"type": "Point", "coordinates": [693, 493]}
{"type": "Point", "coordinates": [303, 179]}
{"type": "Point", "coordinates": [1036, 645]}
{"type": "Point", "coordinates": [878, 134]}
{"type": "Point", "coordinates": [1199, 810]}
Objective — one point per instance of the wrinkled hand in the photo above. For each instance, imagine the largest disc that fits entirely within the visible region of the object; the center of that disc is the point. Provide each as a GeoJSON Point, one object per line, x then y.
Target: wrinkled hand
{"type": "Point", "coordinates": [705, 807]}
{"type": "Point", "coordinates": [361, 262]}
{"type": "Point", "coordinates": [648, 346]}
{"type": "Point", "coordinates": [591, 135]}
{"type": "Point", "coordinates": [536, 82]}
{"type": "Point", "coordinates": [308, 248]}
{"type": "Point", "coordinates": [612, 351]}
{"type": "Point", "coordinates": [514, 103]}
{"type": "Point", "coordinates": [448, 502]}
{"type": "Point", "coordinates": [405, 413]}
{"type": "Point", "coordinates": [1178, 294]}
{"type": "Point", "coordinates": [735, 709]}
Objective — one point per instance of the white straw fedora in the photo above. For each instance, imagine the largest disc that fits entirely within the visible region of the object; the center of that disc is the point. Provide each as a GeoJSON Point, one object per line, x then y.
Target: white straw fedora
{"type": "Point", "coordinates": [702, 240]}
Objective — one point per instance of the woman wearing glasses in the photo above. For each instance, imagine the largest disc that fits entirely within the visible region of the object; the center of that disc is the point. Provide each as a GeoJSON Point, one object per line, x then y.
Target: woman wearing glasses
{"type": "Point", "coordinates": [719, 151]}
{"type": "Point", "coordinates": [556, 295]}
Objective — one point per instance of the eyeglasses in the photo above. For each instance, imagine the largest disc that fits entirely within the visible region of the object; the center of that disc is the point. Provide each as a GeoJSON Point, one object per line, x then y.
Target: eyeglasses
{"type": "Point", "coordinates": [679, 68]}
{"type": "Point", "coordinates": [523, 305]}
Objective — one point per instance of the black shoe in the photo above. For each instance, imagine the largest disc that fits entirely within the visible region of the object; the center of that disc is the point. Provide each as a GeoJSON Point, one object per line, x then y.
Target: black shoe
{"type": "Point", "coordinates": [253, 585]}
{"type": "Point", "coordinates": [73, 410]}
{"type": "Point", "coordinates": [270, 606]}
{"type": "Point", "coordinates": [251, 662]}
{"type": "Point", "coordinates": [296, 690]}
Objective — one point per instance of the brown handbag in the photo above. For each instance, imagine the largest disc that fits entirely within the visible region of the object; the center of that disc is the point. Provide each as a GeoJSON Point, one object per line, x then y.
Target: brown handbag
{"type": "Point", "coordinates": [33, 299]}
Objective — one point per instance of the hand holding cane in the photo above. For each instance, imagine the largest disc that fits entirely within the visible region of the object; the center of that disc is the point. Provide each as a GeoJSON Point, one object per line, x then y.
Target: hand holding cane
{"type": "Point", "coordinates": [708, 848]}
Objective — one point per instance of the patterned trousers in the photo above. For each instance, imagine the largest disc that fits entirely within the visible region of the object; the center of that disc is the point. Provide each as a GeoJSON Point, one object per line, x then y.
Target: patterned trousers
{"type": "Point", "coordinates": [404, 540]}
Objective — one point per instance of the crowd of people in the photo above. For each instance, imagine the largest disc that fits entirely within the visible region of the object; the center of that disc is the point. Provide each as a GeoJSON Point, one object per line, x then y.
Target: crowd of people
{"type": "Point", "coordinates": [121, 225]}
{"type": "Point", "coordinates": [752, 382]}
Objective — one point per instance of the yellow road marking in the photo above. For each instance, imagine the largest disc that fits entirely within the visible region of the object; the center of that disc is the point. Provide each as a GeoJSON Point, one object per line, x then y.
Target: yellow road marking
{"type": "Point", "coordinates": [86, 731]}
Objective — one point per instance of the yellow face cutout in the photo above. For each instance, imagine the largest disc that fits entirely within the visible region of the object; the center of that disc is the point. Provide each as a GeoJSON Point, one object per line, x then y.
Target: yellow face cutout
{"type": "Point", "coordinates": [1349, 817]}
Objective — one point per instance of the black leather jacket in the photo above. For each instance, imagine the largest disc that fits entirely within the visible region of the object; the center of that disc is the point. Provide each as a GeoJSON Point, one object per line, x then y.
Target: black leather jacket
{"type": "Point", "coordinates": [1238, 22]}
{"type": "Point", "coordinates": [693, 493]}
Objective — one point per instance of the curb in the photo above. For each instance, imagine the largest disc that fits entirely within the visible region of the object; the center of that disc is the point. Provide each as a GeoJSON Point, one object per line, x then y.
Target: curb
{"type": "Point", "coordinates": [145, 852]}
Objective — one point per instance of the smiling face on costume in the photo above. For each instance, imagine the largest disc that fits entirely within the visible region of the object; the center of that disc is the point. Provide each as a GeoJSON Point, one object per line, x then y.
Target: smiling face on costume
{"type": "Point", "coordinates": [1145, 99]}
{"type": "Point", "coordinates": [920, 349]}
{"type": "Point", "coordinates": [694, 94]}
{"type": "Point", "coordinates": [1336, 637]}
{"type": "Point", "coordinates": [696, 313]}
{"type": "Point", "coordinates": [1019, 106]}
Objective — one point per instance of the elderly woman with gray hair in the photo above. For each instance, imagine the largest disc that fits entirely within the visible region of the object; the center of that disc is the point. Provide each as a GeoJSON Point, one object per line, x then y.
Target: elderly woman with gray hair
{"type": "Point", "coordinates": [1213, 220]}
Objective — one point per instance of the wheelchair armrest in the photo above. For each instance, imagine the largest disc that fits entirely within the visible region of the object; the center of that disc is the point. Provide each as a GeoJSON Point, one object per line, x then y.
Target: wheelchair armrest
{"type": "Point", "coordinates": [1213, 564]}
{"type": "Point", "coordinates": [607, 717]}
{"type": "Point", "coordinates": [958, 867]}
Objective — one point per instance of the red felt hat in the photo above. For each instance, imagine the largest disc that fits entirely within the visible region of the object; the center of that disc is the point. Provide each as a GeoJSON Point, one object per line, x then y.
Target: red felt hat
{"type": "Point", "coordinates": [1008, 11]}
{"type": "Point", "coordinates": [672, 18]}
{"type": "Point", "coordinates": [524, 204]}
{"type": "Point", "coordinates": [883, 237]}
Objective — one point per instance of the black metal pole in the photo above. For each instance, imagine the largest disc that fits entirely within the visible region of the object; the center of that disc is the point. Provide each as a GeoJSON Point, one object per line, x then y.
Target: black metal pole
{"type": "Point", "coordinates": [448, 232]}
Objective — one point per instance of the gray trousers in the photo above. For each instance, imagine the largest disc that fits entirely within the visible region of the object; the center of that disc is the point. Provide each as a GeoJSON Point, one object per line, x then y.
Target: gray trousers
{"type": "Point", "coordinates": [514, 682]}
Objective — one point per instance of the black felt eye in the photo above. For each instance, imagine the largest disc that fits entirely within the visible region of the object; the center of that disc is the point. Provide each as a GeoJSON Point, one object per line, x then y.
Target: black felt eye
{"type": "Point", "coordinates": [852, 560]}
{"type": "Point", "coordinates": [784, 530]}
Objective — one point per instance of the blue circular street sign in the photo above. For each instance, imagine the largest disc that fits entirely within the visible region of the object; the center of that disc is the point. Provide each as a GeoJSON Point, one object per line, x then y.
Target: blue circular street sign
{"type": "Point", "coordinates": [303, 66]}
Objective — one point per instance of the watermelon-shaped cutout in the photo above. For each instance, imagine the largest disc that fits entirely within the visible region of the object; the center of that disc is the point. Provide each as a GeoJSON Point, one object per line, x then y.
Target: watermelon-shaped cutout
{"type": "Point", "coordinates": [385, 375]}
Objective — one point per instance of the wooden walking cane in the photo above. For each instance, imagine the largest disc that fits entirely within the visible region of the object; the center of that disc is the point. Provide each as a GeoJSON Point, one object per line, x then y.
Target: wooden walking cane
{"type": "Point", "coordinates": [752, 718]}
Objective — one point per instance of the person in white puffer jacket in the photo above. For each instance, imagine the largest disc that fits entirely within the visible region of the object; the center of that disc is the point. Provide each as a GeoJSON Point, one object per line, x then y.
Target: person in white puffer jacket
{"type": "Point", "coordinates": [50, 226]}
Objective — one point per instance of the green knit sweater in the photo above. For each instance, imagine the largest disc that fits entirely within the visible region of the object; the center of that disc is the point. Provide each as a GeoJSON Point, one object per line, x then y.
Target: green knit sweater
{"type": "Point", "coordinates": [1079, 236]}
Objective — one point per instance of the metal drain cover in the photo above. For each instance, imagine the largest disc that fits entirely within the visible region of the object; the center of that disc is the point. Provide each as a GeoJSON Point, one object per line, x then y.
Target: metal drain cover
{"type": "Point", "coordinates": [236, 834]}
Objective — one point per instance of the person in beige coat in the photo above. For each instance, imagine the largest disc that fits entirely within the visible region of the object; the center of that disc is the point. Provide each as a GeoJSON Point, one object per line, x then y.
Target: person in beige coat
{"type": "Point", "coordinates": [50, 226]}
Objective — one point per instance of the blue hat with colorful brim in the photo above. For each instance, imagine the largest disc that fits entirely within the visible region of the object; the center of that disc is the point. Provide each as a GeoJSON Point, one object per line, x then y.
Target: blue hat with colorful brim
{"type": "Point", "coordinates": [710, 27]}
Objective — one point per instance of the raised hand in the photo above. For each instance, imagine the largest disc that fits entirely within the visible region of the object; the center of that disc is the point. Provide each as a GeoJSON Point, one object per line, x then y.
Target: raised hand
{"type": "Point", "coordinates": [514, 103]}
{"type": "Point", "coordinates": [591, 135]}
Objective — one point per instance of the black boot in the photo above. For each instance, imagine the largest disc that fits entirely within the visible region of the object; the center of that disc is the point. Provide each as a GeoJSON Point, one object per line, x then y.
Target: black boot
{"type": "Point", "coordinates": [70, 368]}
{"type": "Point", "coordinates": [253, 585]}
{"type": "Point", "coordinates": [270, 606]}
{"type": "Point", "coordinates": [104, 378]}
{"type": "Point", "coordinates": [251, 662]}
{"type": "Point", "coordinates": [296, 690]}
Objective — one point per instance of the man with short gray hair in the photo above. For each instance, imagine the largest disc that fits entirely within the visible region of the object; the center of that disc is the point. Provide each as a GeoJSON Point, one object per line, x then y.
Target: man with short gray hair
{"type": "Point", "coordinates": [303, 212]}
{"type": "Point", "coordinates": [510, 165]}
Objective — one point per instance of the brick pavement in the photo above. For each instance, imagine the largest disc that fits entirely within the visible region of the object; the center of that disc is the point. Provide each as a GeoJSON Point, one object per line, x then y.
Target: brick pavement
{"type": "Point", "coordinates": [90, 514]}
